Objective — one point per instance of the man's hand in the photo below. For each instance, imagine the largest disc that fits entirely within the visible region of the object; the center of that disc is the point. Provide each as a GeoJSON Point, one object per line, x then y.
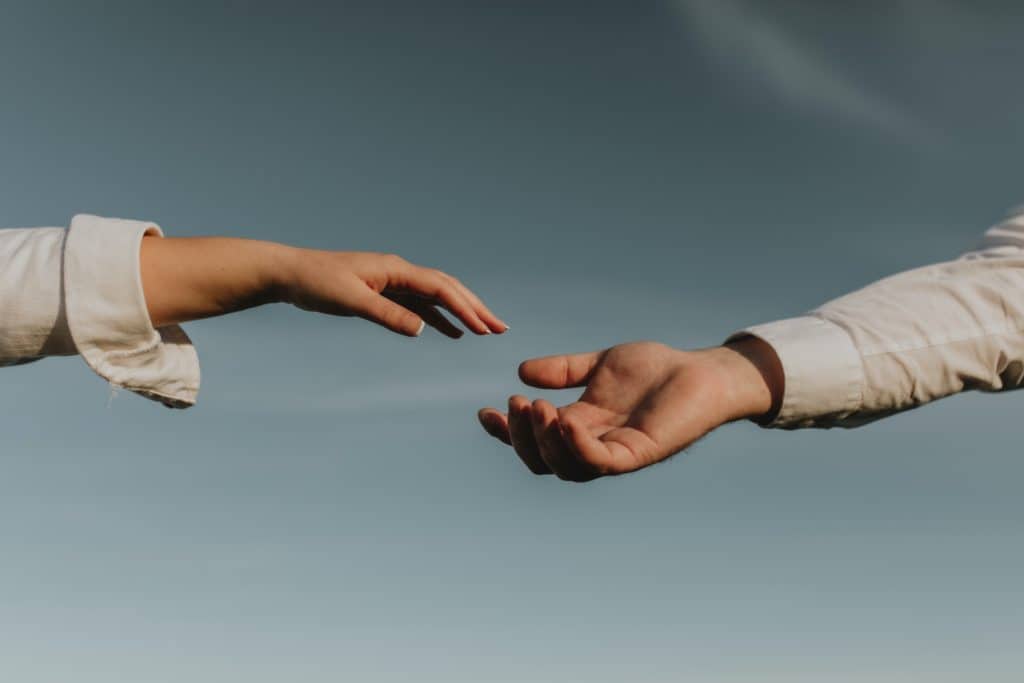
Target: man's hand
{"type": "Point", "coordinates": [643, 402]}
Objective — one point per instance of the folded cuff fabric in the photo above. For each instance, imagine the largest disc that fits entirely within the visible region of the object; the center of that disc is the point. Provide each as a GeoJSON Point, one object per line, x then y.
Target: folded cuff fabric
{"type": "Point", "coordinates": [107, 315]}
{"type": "Point", "coordinates": [823, 370]}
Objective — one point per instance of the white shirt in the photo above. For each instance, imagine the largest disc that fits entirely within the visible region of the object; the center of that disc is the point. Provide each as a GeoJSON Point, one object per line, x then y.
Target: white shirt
{"type": "Point", "coordinates": [79, 290]}
{"type": "Point", "coordinates": [907, 339]}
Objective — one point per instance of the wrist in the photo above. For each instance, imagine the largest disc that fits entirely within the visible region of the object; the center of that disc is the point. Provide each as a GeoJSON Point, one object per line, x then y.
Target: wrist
{"type": "Point", "coordinates": [282, 263]}
{"type": "Point", "coordinates": [753, 379]}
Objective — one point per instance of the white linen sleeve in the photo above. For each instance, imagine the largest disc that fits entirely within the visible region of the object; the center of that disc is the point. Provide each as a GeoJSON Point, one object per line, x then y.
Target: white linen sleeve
{"type": "Point", "coordinates": [79, 290]}
{"type": "Point", "coordinates": [906, 340]}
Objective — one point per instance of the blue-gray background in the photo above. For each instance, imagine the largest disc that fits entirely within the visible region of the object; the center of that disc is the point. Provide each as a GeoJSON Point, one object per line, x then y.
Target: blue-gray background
{"type": "Point", "coordinates": [599, 172]}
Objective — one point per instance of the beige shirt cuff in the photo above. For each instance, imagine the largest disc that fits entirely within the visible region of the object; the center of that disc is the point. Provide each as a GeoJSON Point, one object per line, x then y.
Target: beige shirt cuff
{"type": "Point", "coordinates": [823, 371]}
{"type": "Point", "coordinates": [108, 318]}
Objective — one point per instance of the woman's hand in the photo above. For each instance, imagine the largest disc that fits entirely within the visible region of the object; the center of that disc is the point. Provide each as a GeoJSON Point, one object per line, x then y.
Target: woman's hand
{"type": "Point", "coordinates": [188, 278]}
{"type": "Point", "coordinates": [643, 402]}
{"type": "Point", "coordinates": [387, 290]}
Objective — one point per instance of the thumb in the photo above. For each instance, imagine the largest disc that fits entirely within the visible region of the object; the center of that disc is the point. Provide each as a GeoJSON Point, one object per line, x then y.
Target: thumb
{"type": "Point", "coordinates": [560, 372]}
{"type": "Point", "coordinates": [387, 313]}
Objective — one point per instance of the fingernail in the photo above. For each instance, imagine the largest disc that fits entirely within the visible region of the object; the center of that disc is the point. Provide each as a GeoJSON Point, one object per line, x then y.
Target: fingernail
{"type": "Point", "coordinates": [423, 325]}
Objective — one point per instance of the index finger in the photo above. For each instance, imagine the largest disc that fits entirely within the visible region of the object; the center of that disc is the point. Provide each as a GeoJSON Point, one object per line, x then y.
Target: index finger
{"type": "Point", "coordinates": [437, 286]}
{"type": "Point", "coordinates": [494, 322]}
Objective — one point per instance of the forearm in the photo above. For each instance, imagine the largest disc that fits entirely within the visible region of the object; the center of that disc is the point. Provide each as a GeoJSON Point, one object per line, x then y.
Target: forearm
{"type": "Point", "coordinates": [908, 339]}
{"type": "Point", "coordinates": [934, 332]}
{"type": "Point", "coordinates": [200, 277]}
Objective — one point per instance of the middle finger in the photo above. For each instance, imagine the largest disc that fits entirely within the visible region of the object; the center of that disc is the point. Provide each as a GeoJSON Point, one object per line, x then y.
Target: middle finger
{"type": "Point", "coordinates": [520, 430]}
{"type": "Point", "coordinates": [553, 448]}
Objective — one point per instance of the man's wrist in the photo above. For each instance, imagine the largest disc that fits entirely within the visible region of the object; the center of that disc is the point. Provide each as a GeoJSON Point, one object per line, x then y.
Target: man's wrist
{"type": "Point", "coordinates": [755, 381]}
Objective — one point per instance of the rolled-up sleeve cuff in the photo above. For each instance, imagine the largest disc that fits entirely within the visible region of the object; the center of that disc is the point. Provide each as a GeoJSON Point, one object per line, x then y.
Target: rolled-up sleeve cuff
{"type": "Point", "coordinates": [108, 318]}
{"type": "Point", "coordinates": [823, 372]}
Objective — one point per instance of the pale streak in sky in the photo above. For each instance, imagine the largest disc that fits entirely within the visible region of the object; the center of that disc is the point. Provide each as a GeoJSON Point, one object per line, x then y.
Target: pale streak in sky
{"type": "Point", "coordinates": [730, 30]}
{"type": "Point", "coordinates": [380, 396]}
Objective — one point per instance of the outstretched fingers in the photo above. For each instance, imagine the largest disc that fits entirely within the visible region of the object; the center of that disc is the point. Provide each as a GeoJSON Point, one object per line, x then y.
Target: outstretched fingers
{"type": "Point", "coordinates": [436, 319]}
{"type": "Point", "coordinates": [495, 423]}
{"type": "Point", "coordinates": [446, 291]}
{"type": "Point", "coordinates": [494, 323]}
{"type": "Point", "coordinates": [550, 441]}
{"type": "Point", "coordinates": [385, 312]}
{"type": "Point", "coordinates": [547, 431]}
{"type": "Point", "coordinates": [427, 311]}
{"type": "Point", "coordinates": [524, 441]}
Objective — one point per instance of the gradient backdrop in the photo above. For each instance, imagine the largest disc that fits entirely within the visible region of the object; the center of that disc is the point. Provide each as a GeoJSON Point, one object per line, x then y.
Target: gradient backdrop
{"type": "Point", "coordinates": [599, 172]}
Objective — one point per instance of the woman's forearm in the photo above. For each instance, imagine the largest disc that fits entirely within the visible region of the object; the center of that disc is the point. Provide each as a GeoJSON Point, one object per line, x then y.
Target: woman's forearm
{"type": "Point", "coordinates": [200, 277]}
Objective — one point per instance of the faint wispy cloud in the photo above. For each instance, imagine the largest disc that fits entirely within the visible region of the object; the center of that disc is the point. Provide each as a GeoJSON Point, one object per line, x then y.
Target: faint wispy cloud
{"type": "Point", "coordinates": [378, 396]}
{"type": "Point", "coordinates": [730, 31]}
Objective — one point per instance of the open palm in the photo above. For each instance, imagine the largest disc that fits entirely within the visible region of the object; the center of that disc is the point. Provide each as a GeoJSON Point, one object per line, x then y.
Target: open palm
{"type": "Point", "coordinates": [642, 402]}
